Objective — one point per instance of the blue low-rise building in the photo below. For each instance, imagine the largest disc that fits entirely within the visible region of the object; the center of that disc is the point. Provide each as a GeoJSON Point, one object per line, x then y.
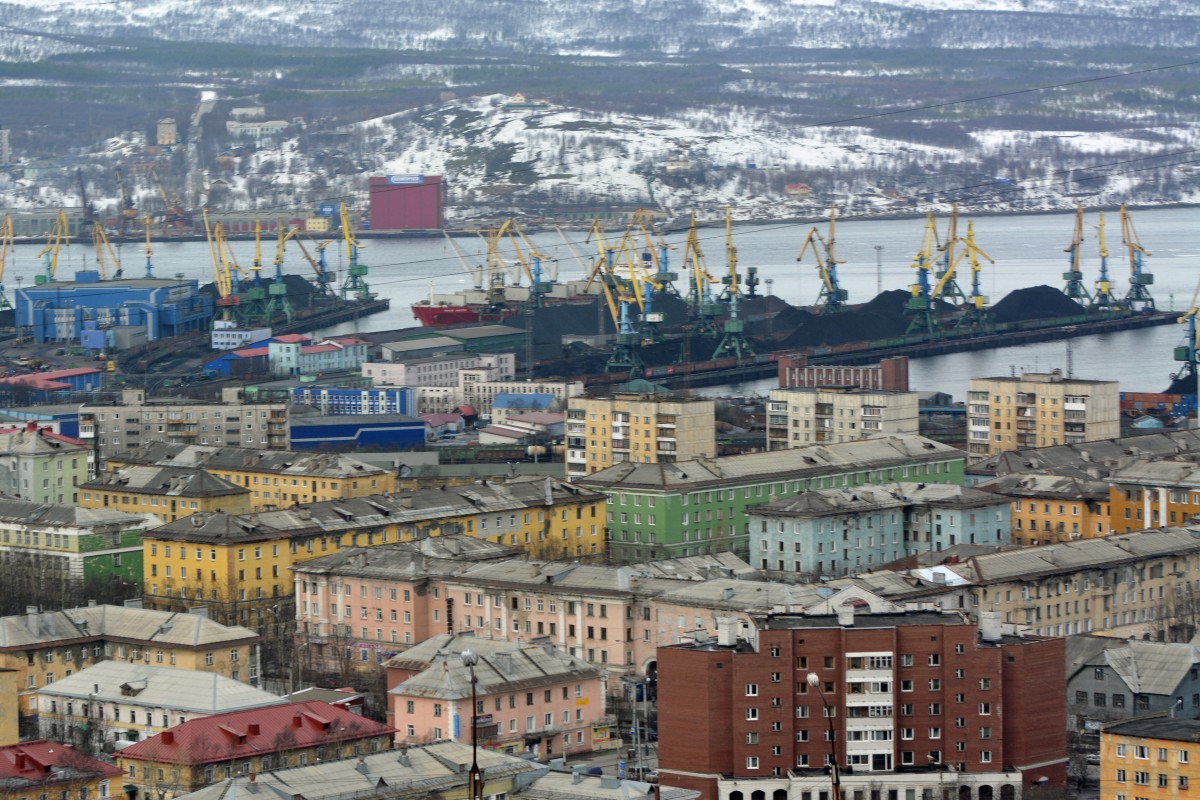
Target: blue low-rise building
{"type": "Point", "coordinates": [357, 432]}
{"type": "Point", "coordinates": [57, 310]}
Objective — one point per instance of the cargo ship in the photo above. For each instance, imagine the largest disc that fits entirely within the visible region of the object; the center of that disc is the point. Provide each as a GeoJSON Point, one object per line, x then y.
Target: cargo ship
{"type": "Point", "coordinates": [484, 306]}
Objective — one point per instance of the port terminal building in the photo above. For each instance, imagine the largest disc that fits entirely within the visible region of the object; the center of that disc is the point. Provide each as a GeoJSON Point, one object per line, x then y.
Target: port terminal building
{"type": "Point", "coordinates": [56, 311]}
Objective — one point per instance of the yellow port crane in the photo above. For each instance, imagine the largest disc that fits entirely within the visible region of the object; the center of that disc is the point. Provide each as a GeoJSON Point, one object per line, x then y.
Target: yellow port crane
{"type": "Point", "coordinates": [1186, 353]}
{"type": "Point", "coordinates": [59, 236]}
{"type": "Point", "coordinates": [702, 306]}
{"type": "Point", "coordinates": [832, 297]}
{"type": "Point", "coordinates": [105, 254]}
{"type": "Point", "coordinates": [223, 276]}
{"type": "Point", "coordinates": [356, 273]}
{"type": "Point", "coordinates": [1074, 276]}
{"type": "Point", "coordinates": [6, 249]}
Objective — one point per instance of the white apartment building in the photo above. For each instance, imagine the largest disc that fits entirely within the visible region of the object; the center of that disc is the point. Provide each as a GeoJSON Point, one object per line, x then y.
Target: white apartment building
{"type": "Point", "coordinates": [821, 415]}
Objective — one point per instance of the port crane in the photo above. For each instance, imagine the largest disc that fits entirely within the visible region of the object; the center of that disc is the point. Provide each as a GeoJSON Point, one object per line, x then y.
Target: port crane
{"type": "Point", "coordinates": [224, 278]}
{"type": "Point", "coordinates": [702, 306]}
{"type": "Point", "coordinates": [733, 340]}
{"type": "Point", "coordinates": [975, 309]}
{"type": "Point", "coordinates": [6, 249]}
{"type": "Point", "coordinates": [90, 217]}
{"type": "Point", "coordinates": [1074, 276]}
{"type": "Point", "coordinates": [325, 278]}
{"type": "Point", "coordinates": [356, 273]}
{"type": "Point", "coordinates": [1104, 299]}
{"type": "Point", "coordinates": [277, 294]}
{"type": "Point", "coordinates": [174, 216]}
{"type": "Point", "coordinates": [1138, 298]}
{"type": "Point", "coordinates": [624, 299]}
{"type": "Point", "coordinates": [59, 236]}
{"type": "Point", "coordinates": [105, 254]}
{"type": "Point", "coordinates": [531, 266]}
{"type": "Point", "coordinates": [149, 252]}
{"type": "Point", "coordinates": [128, 214]}
{"type": "Point", "coordinates": [1186, 353]}
{"type": "Point", "coordinates": [832, 297]}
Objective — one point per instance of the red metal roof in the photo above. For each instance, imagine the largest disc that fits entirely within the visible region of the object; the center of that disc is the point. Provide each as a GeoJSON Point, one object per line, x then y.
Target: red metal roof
{"type": "Point", "coordinates": [251, 352]}
{"type": "Point", "coordinates": [32, 761]}
{"type": "Point", "coordinates": [46, 432]}
{"type": "Point", "coordinates": [292, 338]}
{"type": "Point", "coordinates": [254, 732]}
{"type": "Point", "coordinates": [319, 348]}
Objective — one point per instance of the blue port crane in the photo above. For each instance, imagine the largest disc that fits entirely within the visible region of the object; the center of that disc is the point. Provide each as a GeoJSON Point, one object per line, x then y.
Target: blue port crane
{"type": "Point", "coordinates": [1138, 298]}
{"type": "Point", "coordinates": [832, 297]}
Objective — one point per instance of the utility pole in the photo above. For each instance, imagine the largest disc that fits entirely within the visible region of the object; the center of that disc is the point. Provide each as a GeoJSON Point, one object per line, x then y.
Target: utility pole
{"type": "Point", "coordinates": [878, 270]}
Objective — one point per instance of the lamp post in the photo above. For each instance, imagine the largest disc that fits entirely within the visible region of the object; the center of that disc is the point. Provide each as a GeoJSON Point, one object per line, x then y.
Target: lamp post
{"type": "Point", "coordinates": [474, 778]}
{"type": "Point", "coordinates": [814, 680]}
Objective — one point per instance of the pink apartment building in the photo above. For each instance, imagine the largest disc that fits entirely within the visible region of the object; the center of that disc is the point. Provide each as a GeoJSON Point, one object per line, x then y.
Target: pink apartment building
{"type": "Point", "coordinates": [530, 698]}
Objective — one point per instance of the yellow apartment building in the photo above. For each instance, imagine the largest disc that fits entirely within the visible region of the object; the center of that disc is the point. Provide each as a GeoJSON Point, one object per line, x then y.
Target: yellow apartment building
{"type": "Point", "coordinates": [1151, 494]}
{"type": "Point", "coordinates": [239, 566]}
{"type": "Point", "coordinates": [1053, 508]}
{"type": "Point", "coordinates": [642, 427]}
{"type": "Point", "coordinates": [1039, 410]}
{"type": "Point", "coordinates": [169, 493]}
{"type": "Point", "coordinates": [273, 478]}
{"type": "Point", "coordinates": [1150, 758]}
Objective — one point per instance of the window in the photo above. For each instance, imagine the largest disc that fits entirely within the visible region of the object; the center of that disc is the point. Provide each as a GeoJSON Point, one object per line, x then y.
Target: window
{"type": "Point", "coordinates": [751, 713]}
{"type": "Point", "coordinates": [751, 690]}
{"type": "Point", "coordinates": [751, 762]}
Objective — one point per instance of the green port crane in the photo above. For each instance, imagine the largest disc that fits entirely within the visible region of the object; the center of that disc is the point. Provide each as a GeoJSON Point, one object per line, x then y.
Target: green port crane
{"type": "Point", "coordinates": [1074, 276]}
{"type": "Point", "coordinates": [277, 293]}
{"type": "Point", "coordinates": [1138, 298]}
{"type": "Point", "coordinates": [1189, 373]}
{"type": "Point", "coordinates": [356, 273]}
{"type": "Point", "coordinates": [733, 339]}
{"type": "Point", "coordinates": [59, 237]}
{"type": "Point", "coordinates": [832, 297]}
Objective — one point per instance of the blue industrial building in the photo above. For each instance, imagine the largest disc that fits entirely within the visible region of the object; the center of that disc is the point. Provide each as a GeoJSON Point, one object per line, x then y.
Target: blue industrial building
{"type": "Point", "coordinates": [56, 311]}
{"type": "Point", "coordinates": [358, 431]}
{"type": "Point", "coordinates": [401, 400]}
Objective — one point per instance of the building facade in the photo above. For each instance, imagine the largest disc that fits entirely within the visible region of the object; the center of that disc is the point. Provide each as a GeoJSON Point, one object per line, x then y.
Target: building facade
{"type": "Point", "coordinates": [200, 752]}
{"type": "Point", "coordinates": [828, 414]}
{"type": "Point", "coordinates": [700, 506]}
{"type": "Point", "coordinates": [890, 374]}
{"type": "Point", "coordinates": [39, 465]}
{"type": "Point", "coordinates": [235, 421]}
{"type": "Point", "coordinates": [273, 478]}
{"type": "Point", "coordinates": [168, 493]}
{"type": "Point", "coordinates": [1153, 494]}
{"type": "Point", "coordinates": [1049, 508]}
{"type": "Point", "coordinates": [1155, 758]}
{"type": "Point", "coordinates": [1039, 410]}
{"type": "Point", "coordinates": [531, 698]}
{"type": "Point", "coordinates": [439, 370]}
{"type": "Point", "coordinates": [637, 428]}
{"type": "Point", "coordinates": [300, 356]}
{"type": "Point", "coordinates": [42, 768]}
{"type": "Point", "coordinates": [836, 532]}
{"type": "Point", "coordinates": [886, 695]}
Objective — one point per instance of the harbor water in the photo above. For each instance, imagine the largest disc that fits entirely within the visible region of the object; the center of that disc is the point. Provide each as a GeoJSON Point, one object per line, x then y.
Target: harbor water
{"type": "Point", "coordinates": [1028, 250]}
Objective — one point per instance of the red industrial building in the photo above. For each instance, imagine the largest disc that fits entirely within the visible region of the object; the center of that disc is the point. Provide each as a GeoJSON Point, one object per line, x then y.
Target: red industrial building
{"type": "Point", "coordinates": [890, 374]}
{"type": "Point", "coordinates": [408, 202]}
{"type": "Point", "coordinates": [923, 704]}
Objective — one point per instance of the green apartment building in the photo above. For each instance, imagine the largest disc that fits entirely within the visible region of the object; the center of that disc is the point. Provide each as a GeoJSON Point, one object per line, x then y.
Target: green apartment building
{"type": "Point", "coordinates": [40, 465]}
{"type": "Point", "coordinates": [60, 551]}
{"type": "Point", "coordinates": [699, 506]}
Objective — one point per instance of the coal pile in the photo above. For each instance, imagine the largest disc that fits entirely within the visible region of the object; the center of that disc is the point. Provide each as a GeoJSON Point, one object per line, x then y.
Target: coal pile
{"type": "Point", "coordinates": [884, 317]}
{"type": "Point", "coordinates": [1035, 302]}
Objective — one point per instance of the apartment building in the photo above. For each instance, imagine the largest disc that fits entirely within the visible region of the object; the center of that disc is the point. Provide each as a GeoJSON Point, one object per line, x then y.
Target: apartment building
{"type": "Point", "coordinates": [1153, 494]}
{"type": "Point", "coordinates": [44, 645]}
{"type": "Point", "coordinates": [918, 702]}
{"type": "Point", "coordinates": [273, 478]}
{"type": "Point", "coordinates": [1156, 758]}
{"type": "Point", "coordinates": [113, 701]}
{"type": "Point", "coordinates": [640, 428]}
{"type": "Point", "coordinates": [1039, 410]}
{"type": "Point", "coordinates": [700, 506]}
{"type": "Point", "coordinates": [42, 466]}
{"type": "Point", "coordinates": [239, 566]}
{"type": "Point", "coordinates": [235, 420]}
{"type": "Point", "coordinates": [531, 698]}
{"type": "Point", "coordinates": [203, 751]}
{"type": "Point", "coordinates": [890, 373]}
{"type": "Point", "coordinates": [41, 768]}
{"type": "Point", "coordinates": [1129, 585]}
{"type": "Point", "coordinates": [169, 493]}
{"type": "Point", "coordinates": [1046, 508]}
{"type": "Point", "coordinates": [828, 414]}
{"type": "Point", "coordinates": [439, 370]}
{"type": "Point", "coordinates": [837, 532]}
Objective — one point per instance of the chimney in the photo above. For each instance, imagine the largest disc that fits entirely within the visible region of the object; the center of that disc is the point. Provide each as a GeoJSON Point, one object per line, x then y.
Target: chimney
{"type": "Point", "coordinates": [33, 621]}
{"type": "Point", "coordinates": [845, 616]}
{"type": "Point", "coordinates": [168, 737]}
{"type": "Point", "coordinates": [549, 486]}
{"type": "Point", "coordinates": [254, 730]}
{"type": "Point", "coordinates": [989, 626]}
{"type": "Point", "coordinates": [253, 777]}
{"type": "Point", "coordinates": [297, 721]}
{"type": "Point", "coordinates": [20, 761]}
{"type": "Point", "coordinates": [31, 426]}
{"type": "Point", "coordinates": [726, 631]}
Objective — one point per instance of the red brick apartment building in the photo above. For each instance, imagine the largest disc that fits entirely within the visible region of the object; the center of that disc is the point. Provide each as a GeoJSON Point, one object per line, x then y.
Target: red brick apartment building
{"type": "Point", "coordinates": [921, 706]}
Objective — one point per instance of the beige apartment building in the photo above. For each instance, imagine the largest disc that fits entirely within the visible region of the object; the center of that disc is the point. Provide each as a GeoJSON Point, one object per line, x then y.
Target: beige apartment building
{"type": "Point", "coordinates": [821, 415]}
{"type": "Point", "coordinates": [1039, 410]}
{"type": "Point", "coordinates": [638, 427]}
{"type": "Point", "coordinates": [136, 421]}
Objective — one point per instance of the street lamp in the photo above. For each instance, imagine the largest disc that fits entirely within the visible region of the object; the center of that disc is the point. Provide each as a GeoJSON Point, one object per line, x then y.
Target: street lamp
{"type": "Point", "coordinates": [474, 778]}
{"type": "Point", "coordinates": [814, 680]}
